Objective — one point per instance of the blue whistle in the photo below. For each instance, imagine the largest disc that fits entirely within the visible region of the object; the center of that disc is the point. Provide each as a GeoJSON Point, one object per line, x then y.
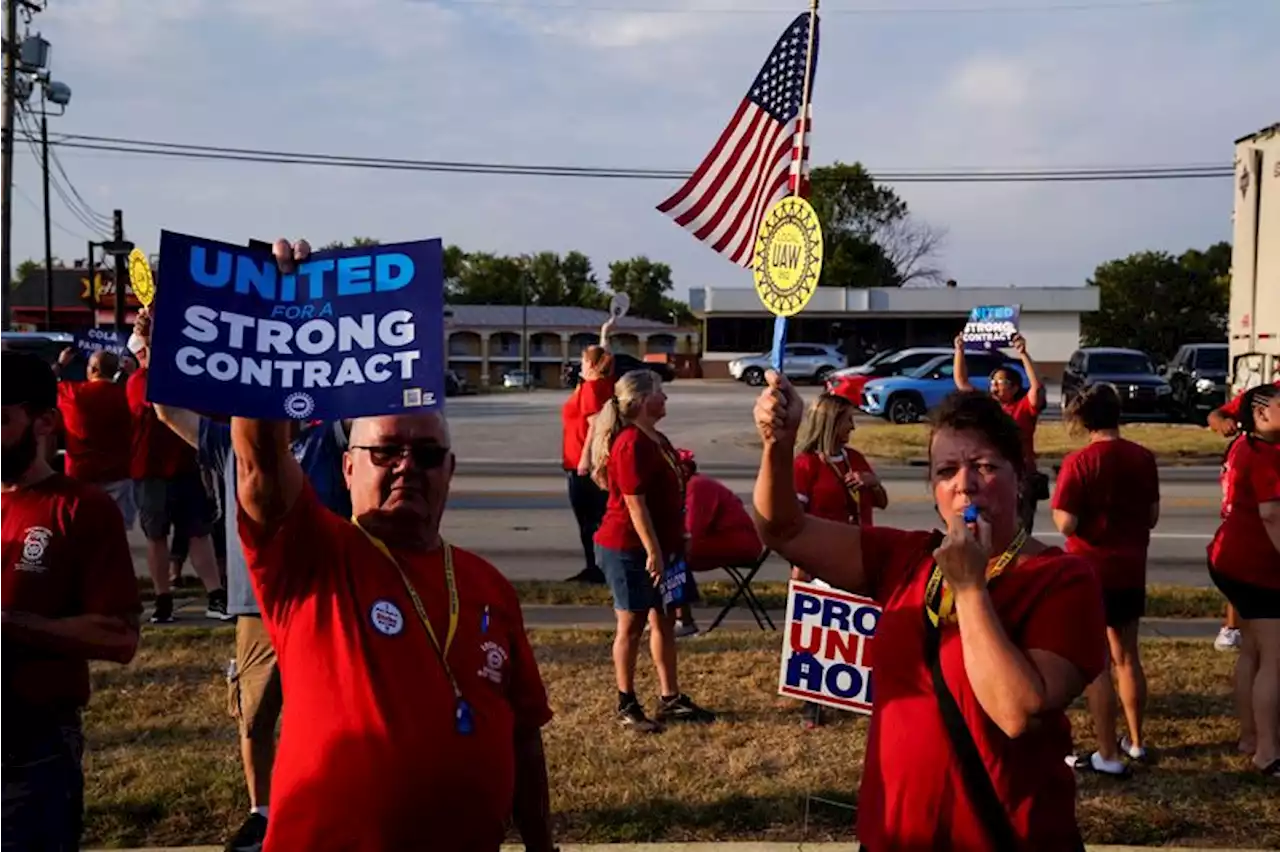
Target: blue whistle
{"type": "Point", "coordinates": [463, 717]}
{"type": "Point", "coordinates": [970, 514]}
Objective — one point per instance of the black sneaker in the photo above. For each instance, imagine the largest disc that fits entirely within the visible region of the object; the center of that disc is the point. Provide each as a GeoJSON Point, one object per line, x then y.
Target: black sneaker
{"type": "Point", "coordinates": [591, 576]}
{"type": "Point", "coordinates": [632, 716]}
{"type": "Point", "coordinates": [217, 606]}
{"type": "Point", "coordinates": [682, 709]}
{"type": "Point", "coordinates": [163, 612]}
{"type": "Point", "coordinates": [250, 836]}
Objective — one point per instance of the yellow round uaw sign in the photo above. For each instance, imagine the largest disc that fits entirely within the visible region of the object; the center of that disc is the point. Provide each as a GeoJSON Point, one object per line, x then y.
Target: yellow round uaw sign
{"type": "Point", "coordinates": [144, 286]}
{"type": "Point", "coordinates": [788, 256]}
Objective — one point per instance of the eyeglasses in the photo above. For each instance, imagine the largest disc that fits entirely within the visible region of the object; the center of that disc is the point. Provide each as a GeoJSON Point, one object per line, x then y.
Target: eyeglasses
{"type": "Point", "coordinates": [427, 455]}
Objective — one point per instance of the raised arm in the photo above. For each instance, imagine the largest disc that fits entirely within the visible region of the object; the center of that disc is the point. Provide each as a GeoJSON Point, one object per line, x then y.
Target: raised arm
{"type": "Point", "coordinates": [269, 478]}
{"type": "Point", "coordinates": [183, 423]}
{"type": "Point", "coordinates": [827, 550]}
{"type": "Point", "coordinates": [960, 369]}
{"type": "Point", "coordinates": [1035, 388]}
{"type": "Point", "coordinates": [606, 329]}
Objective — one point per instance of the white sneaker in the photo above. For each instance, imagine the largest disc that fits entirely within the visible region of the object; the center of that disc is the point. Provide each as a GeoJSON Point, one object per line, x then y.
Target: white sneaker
{"type": "Point", "coordinates": [1129, 750]}
{"type": "Point", "coordinates": [1228, 638]}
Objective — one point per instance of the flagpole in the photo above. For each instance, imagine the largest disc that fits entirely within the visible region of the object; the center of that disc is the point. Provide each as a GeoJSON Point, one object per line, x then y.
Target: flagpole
{"type": "Point", "coordinates": [804, 98]}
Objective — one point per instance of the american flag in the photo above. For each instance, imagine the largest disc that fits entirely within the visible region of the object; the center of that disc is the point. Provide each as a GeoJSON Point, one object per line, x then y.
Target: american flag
{"type": "Point", "coordinates": [759, 158]}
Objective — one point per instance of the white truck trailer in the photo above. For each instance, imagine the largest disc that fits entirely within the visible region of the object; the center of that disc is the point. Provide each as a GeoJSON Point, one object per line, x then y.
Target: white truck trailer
{"type": "Point", "coordinates": [1254, 327]}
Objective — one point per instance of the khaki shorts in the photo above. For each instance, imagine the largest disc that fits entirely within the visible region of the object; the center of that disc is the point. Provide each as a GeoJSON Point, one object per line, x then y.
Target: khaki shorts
{"type": "Point", "coordinates": [254, 697]}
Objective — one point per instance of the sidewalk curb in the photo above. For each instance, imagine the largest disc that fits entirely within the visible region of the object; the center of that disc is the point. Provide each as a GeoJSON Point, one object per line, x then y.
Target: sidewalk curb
{"type": "Point", "coordinates": [711, 847]}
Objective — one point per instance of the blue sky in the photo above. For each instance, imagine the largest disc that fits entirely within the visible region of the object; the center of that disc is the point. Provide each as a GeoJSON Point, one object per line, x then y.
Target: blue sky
{"type": "Point", "coordinates": [533, 82]}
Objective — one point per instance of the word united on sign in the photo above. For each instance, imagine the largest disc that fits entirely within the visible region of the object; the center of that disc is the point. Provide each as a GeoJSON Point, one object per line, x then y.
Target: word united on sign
{"type": "Point", "coordinates": [991, 326]}
{"type": "Point", "coordinates": [825, 648]}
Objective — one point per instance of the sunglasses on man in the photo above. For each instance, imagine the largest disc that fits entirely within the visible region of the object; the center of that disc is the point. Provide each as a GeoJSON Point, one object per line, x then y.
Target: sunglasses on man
{"type": "Point", "coordinates": [426, 455]}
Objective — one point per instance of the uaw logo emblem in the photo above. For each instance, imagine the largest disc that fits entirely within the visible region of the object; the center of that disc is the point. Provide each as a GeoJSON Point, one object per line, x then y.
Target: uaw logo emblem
{"type": "Point", "coordinates": [34, 544]}
{"type": "Point", "coordinates": [495, 662]}
{"type": "Point", "coordinates": [788, 256]}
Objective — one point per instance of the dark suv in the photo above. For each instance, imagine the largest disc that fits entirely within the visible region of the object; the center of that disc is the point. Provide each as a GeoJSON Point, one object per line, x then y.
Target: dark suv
{"type": "Point", "coordinates": [622, 364]}
{"type": "Point", "coordinates": [1142, 391]}
{"type": "Point", "coordinates": [1198, 376]}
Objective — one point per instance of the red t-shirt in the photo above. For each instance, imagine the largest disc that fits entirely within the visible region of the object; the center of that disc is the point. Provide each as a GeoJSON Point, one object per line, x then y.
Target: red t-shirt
{"type": "Point", "coordinates": [586, 401]}
{"type": "Point", "coordinates": [820, 487]}
{"type": "Point", "coordinates": [1111, 486]}
{"type": "Point", "coordinates": [640, 465]}
{"type": "Point", "coordinates": [369, 755]}
{"type": "Point", "coordinates": [1024, 412]}
{"type": "Point", "coordinates": [721, 531]}
{"type": "Point", "coordinates": [65, 554]}
{"type": "Point", "coordinates": [157, 451]}
{"type": "Point", "coordinates": [97, 421]}
{"type": "Point", "coordinates": [1241, 549]}
{"type": "Point", "coordinates": [912, 794]}
{"type": "Point", "coordinates": [1232, 408]}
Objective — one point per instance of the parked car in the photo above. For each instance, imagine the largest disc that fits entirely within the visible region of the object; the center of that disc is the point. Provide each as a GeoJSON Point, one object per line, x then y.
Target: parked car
{"type": "Point", "coordinates": [850, 382]}
{"type": "Point", "coordinates": [622, 364]}
{"type": "Point", "coordinates": [909, 397]}
{"type": "Point", "coordinates": [518, 379]}
{"type": "Point", "coordinates": [1197, 376]}
{"type": "Point", "coordinates": [1143, 393]}
{"type": "Point", "coordinates": [811, 361]}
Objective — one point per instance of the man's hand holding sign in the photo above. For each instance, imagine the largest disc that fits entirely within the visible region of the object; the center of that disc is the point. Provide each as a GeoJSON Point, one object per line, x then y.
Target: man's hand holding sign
{"type": "Point", "coordinates": [414, 702]}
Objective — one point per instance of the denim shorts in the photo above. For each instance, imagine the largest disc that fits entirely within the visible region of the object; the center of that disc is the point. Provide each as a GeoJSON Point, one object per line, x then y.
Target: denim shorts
{"type": "Point", "coordinates": [632, 587]}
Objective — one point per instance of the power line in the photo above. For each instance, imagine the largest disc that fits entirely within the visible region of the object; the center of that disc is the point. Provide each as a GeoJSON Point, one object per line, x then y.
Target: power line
{"type": "Point", "coordinates": [882, 11]}
{"type": "Point", "coordinates": [61, 227]}
{"type": "Point", "coordinates": [214, 152]}
{"type": "Point", "coordinates": [85, 218]}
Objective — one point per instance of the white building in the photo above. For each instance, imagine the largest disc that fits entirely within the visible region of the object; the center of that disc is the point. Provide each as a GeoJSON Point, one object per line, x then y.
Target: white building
{"type": "Point", "coordinates": [736, 324]}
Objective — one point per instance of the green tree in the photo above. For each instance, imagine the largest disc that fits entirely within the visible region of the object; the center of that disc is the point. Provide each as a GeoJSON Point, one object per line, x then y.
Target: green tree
{"type": "Point", "coordinates": [645, 283]}
{"type": "Point", "coordinates": [356, 242]}
{"type": "Point", "coordinates": [1155, 302]}
{"type": "Point", "coordinates": [487, 279]}
{"type": "Point", "coordinates": [26, 268]}
{"type": "Point", "coordinates": [870, 237]}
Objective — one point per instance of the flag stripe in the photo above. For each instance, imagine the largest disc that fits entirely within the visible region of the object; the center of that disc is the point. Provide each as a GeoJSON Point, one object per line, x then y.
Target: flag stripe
{"type": "Point", "coordinates": [713, 183]}
{"type": "Point", "coordinates": [696, 178]}
{"type": "Point", "coordinates": [773, 154]}
{"type": "Point", "coordinates": [729, 193]}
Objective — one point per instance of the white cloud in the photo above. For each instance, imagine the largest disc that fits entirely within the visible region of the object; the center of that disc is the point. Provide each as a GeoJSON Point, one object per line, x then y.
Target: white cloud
{"type": "Point", "coordinates": [991, 82]}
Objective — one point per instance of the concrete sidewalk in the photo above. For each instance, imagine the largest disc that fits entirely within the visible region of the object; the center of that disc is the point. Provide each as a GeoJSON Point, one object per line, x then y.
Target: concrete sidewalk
{"type": "Point", "coordinates": [717, 847]}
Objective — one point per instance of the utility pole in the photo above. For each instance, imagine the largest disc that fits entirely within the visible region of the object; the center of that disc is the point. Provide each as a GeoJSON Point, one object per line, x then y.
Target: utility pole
{"type": "Point", "coordinates": [48, 230]}
{"type": "Point", "coordinates": [121, 254]}
{"type": "Point", "coordinates": [6, 153]}
{"type": "Point", "coordinates": [524, 330]}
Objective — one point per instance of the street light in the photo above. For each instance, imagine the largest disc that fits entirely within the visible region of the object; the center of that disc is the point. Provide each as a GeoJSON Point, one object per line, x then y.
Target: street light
{"type": "Point", "coordinates": [58, 94]}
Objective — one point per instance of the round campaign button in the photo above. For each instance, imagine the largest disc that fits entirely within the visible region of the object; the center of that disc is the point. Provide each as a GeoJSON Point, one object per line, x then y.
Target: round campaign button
{"type": "Point", "coordinates": [788, 256]}
{"type": "Point", "coordinates": [144, 286]}
{"type": "Point", "coordinates": [386, 618]}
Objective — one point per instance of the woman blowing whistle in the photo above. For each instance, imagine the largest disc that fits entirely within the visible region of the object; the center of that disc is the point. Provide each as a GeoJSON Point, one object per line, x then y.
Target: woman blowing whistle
{"type": "Point", "coordinates": [987, 635]}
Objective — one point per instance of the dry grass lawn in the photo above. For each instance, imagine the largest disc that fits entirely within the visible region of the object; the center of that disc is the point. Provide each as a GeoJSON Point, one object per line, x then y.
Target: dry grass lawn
{"type": "Point", "coordinates": [163, 767]}
{"type": "Point", "coordinates": [1162, 601]}
{"type": "Point", "coordinates": [1173, 443]}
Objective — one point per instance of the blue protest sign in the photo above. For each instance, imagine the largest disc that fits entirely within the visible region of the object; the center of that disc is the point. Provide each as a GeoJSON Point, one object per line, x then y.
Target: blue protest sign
{"type": "Point", "coordinates": [92, 340]}
{"type": "Point", "coordinates": [350, 333]}
{"type": "Point", "coordinates": [991, 327]}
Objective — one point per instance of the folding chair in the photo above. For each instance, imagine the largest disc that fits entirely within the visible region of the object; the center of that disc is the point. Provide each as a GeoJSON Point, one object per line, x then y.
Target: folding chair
{"type": "Point", "coordinates": [742, 575]}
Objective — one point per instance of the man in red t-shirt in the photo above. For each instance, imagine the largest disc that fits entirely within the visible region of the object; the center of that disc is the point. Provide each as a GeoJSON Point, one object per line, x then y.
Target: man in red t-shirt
{"type": "Point", "coordinates": [97, 424]}
{"type": "Point", "coordinates": [69, 597]}
{"type": "Point", "coordinates": [415, 704]}
{"type": "Point", "coordinates": [170, 491]}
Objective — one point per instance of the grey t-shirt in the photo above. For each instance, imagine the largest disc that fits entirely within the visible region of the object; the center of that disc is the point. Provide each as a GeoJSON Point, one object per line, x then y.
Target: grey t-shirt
{"type": "Point", "coordinates": [318, 449]}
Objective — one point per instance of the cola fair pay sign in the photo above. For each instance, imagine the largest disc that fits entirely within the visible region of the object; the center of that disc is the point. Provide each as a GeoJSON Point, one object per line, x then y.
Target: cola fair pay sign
{"type": "Point", "coordinates": [350, 333]}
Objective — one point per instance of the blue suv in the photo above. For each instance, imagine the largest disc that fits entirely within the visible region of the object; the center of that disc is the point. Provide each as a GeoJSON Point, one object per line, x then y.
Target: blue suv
{"type": "Point", "coordinates": [909, 397]}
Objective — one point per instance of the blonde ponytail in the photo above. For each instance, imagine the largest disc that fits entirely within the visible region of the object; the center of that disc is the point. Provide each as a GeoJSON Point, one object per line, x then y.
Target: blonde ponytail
{"type": "Point", "coordinates": [628, 398]}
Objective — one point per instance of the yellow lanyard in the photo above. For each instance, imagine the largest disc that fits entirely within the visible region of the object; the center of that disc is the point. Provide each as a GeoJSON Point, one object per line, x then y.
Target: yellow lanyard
{"type": "Point", "coordinates": [939, 602]}
{"type": "Point", "coordinates": [676, 468]}
{"type": "Point", "coordinates": [442, 653]}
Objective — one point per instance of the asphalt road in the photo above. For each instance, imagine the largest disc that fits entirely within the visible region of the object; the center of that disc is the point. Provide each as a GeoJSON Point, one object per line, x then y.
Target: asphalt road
{"type": "Point", "coordinates": [524, 526]}
{"type": "Point", "coordinates": [711, 417]}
